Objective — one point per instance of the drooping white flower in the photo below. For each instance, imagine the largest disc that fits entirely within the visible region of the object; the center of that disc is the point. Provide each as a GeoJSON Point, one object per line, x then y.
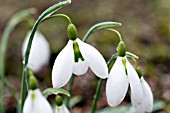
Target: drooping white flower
{"type": "Point", "coordinates": [147, 102]}
{"type": "Point", "coordinates": [119, 80]}
{"type": "Point", "coordinates": [39, 53]}
{"type": "Point", "coordinates": [36, 103]}
{"type": "Point", "coordinates": [61, 109]}
{"type": "Point", "coordinates": [86, 56]}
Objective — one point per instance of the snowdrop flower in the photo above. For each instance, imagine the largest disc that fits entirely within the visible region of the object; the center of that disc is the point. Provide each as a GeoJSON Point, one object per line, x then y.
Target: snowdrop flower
{"type": "Point", "coordinates": [36, 103]}
{"type": "Point", "coordinates": [40, 51]}
{"type": "Point", "coordinates": [121, 75]}
{"type": "Point", "coordinates": [62, 109]}
{"type": "Point", "coordinates": [75, 58]}
{"type": "Point", "coordinates": [147, 102]}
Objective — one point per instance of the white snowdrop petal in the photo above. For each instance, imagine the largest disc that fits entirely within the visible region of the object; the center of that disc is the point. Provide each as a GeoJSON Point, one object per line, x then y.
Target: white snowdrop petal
{"type": "Point", "coordinates": [139, 108]}
{"type": "Point", "coordinates": [135, 83]}
{"type": "Point", "coordinates": [148, 96]}
{"type": "Point", "coordinates": [63, 66]}
{"type": "Point", "coordinates": [28, 105]}
{"type": "Point", "coordinates": [62, 109]}
{"type": "Point", "coordinates": [36, 103]}
{"type": "Point", "coordinates": [80, 67]}
{"type": "Point", "coordinates": [40, 51]}
{"type": "Point", "coordinates": [94, 59]}
{"type": "Point", "coordinates": [117, 84]}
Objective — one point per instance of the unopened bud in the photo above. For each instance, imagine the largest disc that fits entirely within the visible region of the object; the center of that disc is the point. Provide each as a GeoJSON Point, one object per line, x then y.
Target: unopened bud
{"type": "Point", "coordinates": [121, 48]}
{"type": "Point", "coordinates": [33, 83]}
{"type": "Point", "coordinates": [59, 100]}
{"type": "Point", "coordinates": [72, 32]}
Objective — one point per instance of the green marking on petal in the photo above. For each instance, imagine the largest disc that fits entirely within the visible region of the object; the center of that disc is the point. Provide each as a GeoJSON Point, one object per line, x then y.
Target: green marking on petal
{"type": "Point", "coordinates": [139, 72]}
{"type": "Point", "coordinates": [33, 96]}
{"type": "Point", "coordinates": [124, 64]}
{"type": "Point", "coordinates": [77, 53]}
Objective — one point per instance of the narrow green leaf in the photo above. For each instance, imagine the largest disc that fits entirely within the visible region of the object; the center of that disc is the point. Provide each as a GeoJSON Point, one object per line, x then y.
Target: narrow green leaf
{"type": "Point", "coordinates": [74, 100]}
{"type": "Point", "coordinates": [56, 91]}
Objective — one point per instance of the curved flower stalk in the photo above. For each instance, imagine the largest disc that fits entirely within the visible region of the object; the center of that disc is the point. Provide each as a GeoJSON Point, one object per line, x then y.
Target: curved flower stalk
{"type": "Point", "coordinates": [121, 75]}
{"type": "Point", "coordinates": [75, 58]}
{"type": "Point", "coordinates": [40, 51]}
{"type": "Point", "coordinates": [36, 103]}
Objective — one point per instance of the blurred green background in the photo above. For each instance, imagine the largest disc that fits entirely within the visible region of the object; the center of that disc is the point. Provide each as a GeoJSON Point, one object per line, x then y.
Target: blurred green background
{"type": "Point", "coordinates": [145, 30]}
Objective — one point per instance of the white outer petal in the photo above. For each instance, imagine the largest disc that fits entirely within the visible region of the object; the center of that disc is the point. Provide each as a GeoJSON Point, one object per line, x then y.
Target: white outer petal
{"type": "Point", "coordinates": [94, 59]}
{"type": "Point", "coordinates": [80, 67]}
{"type": "Point", "coordinates": [40, 51]}
{"type": "Point", "coordinates": [139, 108]}
{"type": "Point", "coordinates": [135, 83]}
{"type": "Point", "coordinates": [38, 105]}
{"type": "Point", "coordinates": [63, 66]}
{"type": "Point", "coordinates": [62, 109]}
{"type": "Point", "coordinates": [148, 96]}
{"type": "Point", "coordinates": [117, 84]}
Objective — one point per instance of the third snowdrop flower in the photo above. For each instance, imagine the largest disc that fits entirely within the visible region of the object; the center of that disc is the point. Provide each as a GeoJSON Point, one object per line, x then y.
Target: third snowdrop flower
{"type": "Point", "coordinates": [121, 75]}
{"type": "Point", "coordinates": [147, 102]}
{"type": "Point", "coordinates": [75, 58]}
{"type": "Point", "coordinates": [40, 51]}
{"type": "Point", "coordinates": [60, 107]}
{"type": "Point", "coordinates": [36, 103]}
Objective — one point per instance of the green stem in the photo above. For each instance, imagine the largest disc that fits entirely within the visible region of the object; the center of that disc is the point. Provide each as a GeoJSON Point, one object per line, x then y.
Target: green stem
{"type": "Point", "coordinates": [17, 18]}
{"type": "Point", "coordinates": [99, 85]}
{"type": "Point", "coordinates": [70, 88]}
{"type": "Point", "coordinates": [45, 14]}
{"type": "Point", "coordinates": [96, 96]}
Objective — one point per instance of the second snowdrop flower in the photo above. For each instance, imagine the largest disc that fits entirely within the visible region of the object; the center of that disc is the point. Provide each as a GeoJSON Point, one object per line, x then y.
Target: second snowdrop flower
{"type": "Point", "coordinates": [121, 75]}
{"type": "Point", "coordinates": [75, 58]}
{"type": "Point", "coordinates": [40, 51]}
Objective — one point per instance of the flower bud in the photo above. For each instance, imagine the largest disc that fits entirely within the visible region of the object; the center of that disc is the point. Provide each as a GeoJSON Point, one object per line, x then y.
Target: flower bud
{"type": "Point", "coordinates": [33, 83]}
{"type": "Point", "coordinates": [59, 100]}
{"type": "Point", "coordinates": [121, 48]}
{"type": "Point", "coordinates": [72, 32]}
